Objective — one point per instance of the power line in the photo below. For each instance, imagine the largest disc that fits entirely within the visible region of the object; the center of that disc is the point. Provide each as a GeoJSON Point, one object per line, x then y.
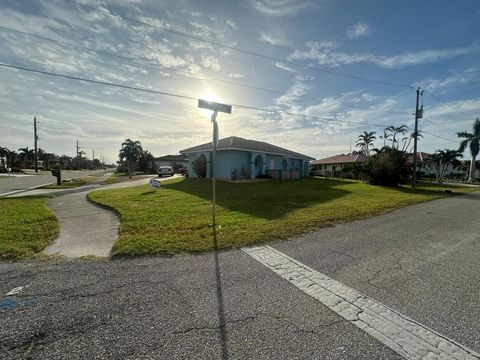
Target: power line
{"type": "Point", "coordinates": [105, 83]}
{"type": "Point", "coordinates": [139, 60]}
{"type": "Point", "coordinates": [438, 136]}
{"type": "Point", "coordinates": [244, 51]}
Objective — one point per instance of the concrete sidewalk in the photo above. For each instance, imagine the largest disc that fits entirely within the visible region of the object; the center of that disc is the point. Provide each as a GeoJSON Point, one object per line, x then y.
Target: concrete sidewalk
{"type": "Point", "coordinates": [86, 229]}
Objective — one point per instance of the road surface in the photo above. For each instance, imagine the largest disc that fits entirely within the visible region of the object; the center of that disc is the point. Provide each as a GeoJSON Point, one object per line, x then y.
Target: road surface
{"type": "Point", "coordinates": [418, 266]}
{"type": "Point", "coordinates": [13, 184]}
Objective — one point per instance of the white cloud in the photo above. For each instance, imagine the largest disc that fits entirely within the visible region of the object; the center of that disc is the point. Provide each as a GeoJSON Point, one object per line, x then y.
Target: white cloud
{"type": "Point", "coordinates": [235, 76]}
{"type": "Point", "coordinates": [276, 40]}
{"type": "Point", "coordinates": [327, 53]}
{"type": "Point", "coordinates": [455, 78]}
{"type": "Point", "coordinates": [359, 30]}
{"type": "Point", "coordinates": [279, 7]}
{"type": "Point", "coordinates": [231, 23]}
{"type": "Point", "coordinates": [210, 62]}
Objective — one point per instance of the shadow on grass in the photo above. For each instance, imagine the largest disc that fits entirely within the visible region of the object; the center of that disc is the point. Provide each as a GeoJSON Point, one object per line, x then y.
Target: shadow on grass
{"type": "Point", "coordinates": [269, 199]}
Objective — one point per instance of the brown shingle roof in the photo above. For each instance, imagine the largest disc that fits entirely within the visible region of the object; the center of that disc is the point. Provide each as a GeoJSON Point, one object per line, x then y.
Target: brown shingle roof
{"type": "Point", "coordinates": [340, 159]}
{"type": "Point", "coordinates": [421, 156]}
{"type": "Point", "coordinates": [234, 142]}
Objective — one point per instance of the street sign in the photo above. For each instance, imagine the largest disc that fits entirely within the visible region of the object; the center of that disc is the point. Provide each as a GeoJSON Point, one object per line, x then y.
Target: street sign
{"type": "Point", "coordinates": [210, 105]}
{"type": "Point", "coordinates": [154, 183]}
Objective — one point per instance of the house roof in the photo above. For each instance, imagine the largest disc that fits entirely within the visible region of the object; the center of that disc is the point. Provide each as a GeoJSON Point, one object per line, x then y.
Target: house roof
{"type": "Point", "coordinates": [421, 156]}
{"type": "Point", "coordinates": [238, 143]}
{"type": "Point", "coordinates": [172, 158]}
{"type": "Point", "coordinates": [340, 159]}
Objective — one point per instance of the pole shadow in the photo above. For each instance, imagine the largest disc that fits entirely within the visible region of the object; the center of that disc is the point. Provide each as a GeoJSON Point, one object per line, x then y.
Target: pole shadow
{"type": "Point", "coordinates": [222, 326]}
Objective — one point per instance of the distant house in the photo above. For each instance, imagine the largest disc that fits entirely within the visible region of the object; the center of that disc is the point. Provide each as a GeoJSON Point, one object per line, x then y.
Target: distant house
{"type": "Point", "coordinates": [239, 158]}
{"type": "Point", "coordinates": [334, 165]}
{"type": "Point", "coordinates": [175, 161]}
{"type": "Point", "coordinates": [426, 167]}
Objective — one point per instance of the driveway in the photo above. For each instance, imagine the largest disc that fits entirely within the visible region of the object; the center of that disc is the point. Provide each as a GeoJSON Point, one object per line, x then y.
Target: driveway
{"type": "Point", "coordinates": [416, 268]}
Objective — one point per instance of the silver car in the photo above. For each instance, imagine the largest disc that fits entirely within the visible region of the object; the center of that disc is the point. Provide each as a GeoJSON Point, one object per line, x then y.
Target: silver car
{"type": "Point", "coordinates": [165, 170]}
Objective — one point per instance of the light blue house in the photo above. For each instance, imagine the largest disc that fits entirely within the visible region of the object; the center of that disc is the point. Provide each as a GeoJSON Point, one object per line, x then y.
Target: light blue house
{"type": "Point", "coordinates": [239, 158]}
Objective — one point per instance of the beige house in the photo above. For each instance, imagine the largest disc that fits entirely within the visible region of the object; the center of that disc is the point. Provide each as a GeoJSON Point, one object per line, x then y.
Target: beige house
{"type": "Point", "coordinates": [334, 165]}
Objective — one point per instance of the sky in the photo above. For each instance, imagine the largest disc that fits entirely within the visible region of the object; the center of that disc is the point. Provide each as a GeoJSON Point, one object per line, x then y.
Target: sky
{"type": "Point", "coordinates": [322, 71]}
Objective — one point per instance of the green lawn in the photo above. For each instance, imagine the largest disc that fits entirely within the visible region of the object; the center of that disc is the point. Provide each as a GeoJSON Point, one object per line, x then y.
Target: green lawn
{"type": "Point", "coordinates": [176, 218]}
{"type": "Point", "coordinates": [26, 226]}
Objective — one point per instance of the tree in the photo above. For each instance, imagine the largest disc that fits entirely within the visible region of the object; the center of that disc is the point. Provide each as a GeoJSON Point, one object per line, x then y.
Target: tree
{"type": "Point", "coordinates": [146, 162]}
{"type": "Point", "coordinates": [130, 152]}
{"type": "Point", "coordinates": [25, 154]}
{"type": "Point", "coordinates": [365, 140]}
{"type": "Point", "coordinates": [471, 140]}
{"type": "Point", "coordinates": [440, 161]}
{"type": "Point", "coordinates": [386, 168]}
{"type": "Point", "coordinates": [394, 131]}
{"type": "Point", "coordinates": [4, 154]}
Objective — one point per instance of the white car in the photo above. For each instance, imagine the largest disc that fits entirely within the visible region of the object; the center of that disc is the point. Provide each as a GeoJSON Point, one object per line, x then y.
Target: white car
{"type": "Point", "coordinates": [165, 170]}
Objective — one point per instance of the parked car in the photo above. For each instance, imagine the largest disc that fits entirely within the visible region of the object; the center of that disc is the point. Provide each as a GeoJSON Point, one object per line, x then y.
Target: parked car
{"type": "Point", "coordinates": [165, 170]}
{"type": "Point", "coordinates": [183, 171]}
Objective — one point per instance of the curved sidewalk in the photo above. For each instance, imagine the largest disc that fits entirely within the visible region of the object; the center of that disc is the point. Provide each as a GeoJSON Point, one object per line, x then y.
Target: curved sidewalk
{"type": "Point", "coordinates": [86, 229]}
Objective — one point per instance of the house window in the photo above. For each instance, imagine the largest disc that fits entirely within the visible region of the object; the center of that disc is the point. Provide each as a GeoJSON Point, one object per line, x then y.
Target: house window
{"type": "Point", "coordinates": [324, 167]}
{"type": "Point", "coordinates": [333, 168]}
{"type": "Point", "coordinates": [272, 164]}
{"type": "Point", "coordinates": [284, 164]}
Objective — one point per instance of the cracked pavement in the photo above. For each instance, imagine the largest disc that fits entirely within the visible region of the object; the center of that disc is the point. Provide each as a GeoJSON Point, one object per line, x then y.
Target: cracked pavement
{"type": "Point", "coordinates": [422, 261]}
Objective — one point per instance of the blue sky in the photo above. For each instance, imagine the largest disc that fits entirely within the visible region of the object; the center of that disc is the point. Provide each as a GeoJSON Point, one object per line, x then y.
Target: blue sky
{"type": "Point", "coordinates": [433, 44]}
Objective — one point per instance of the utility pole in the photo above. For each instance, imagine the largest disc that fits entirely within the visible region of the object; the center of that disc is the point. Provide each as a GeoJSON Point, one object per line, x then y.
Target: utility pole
{"type": "Point", "coordinates": [93, 154]}
{"type": "Point", "coordinates": [78, 148]}
{"type": "Point", "coordinates": [35, 136]}
{"type": "Point", "coordinates": [418, 115]}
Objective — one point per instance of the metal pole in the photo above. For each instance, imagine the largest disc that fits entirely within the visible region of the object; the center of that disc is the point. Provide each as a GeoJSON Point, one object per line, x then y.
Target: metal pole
{"type": "Point", "coordinates": [35, 142]}
{"type": "Point", "coordinates": [214, 152]}
{"type": "Point", "coordinates": [414, 164]}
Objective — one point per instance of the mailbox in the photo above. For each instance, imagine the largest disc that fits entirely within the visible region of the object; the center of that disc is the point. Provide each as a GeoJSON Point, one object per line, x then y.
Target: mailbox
{"type": "Point", "coordinates": [58, 174]}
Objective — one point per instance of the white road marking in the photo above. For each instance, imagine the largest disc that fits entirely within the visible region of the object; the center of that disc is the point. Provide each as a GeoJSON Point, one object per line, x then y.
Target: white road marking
{"type": "Point", "coordinates": [15, 291]}
{"type": "Point", "coordinates": [403, 335]}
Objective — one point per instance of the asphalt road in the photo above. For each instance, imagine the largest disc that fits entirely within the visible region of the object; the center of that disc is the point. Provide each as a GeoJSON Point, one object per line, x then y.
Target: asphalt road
{"type": "Point", "coordinates": [14, 184]}
{"type": "Point", "coordinates": [422, 260]}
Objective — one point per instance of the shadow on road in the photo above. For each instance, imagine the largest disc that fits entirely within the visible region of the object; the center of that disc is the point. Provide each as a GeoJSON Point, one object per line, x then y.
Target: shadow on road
{"type": "Point", "coordinates": [220, 305]}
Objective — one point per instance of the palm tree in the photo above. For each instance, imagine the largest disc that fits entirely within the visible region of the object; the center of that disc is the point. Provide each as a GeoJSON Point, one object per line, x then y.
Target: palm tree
{"type": "Point", "coordinates": [441, 159]}
{"type": "Point", "coordinates": [393, 131]}
{"type": "Point", "coordinates": [131, 152]}
{"type": "Point", "coordinates": [386, 136]}
{"type": "Point", "coordinates": [365, 140]}
{"type": "Point", "coordinates": [472, 140]}
{"type": "Point", "coordinates": [25, 154]}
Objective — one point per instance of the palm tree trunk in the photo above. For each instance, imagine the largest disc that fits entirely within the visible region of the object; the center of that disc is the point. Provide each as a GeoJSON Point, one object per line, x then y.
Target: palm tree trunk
{"type": "Point", "coordinates": [471, 177]}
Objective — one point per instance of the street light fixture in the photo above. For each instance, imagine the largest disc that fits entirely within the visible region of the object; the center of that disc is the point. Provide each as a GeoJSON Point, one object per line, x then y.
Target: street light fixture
{"type": "Point", "coordinates": [216, 108]}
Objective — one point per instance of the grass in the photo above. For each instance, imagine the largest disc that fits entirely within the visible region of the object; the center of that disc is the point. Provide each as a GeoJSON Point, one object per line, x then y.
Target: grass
{"type": "Point", "coordinates": [176, 217]}
{"type": "Point", "coordinates": [26, 227]}
{"type": "Point", "coordinates": [121, 177]}
{"type": "Point", "coordinates": [71, 184]}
